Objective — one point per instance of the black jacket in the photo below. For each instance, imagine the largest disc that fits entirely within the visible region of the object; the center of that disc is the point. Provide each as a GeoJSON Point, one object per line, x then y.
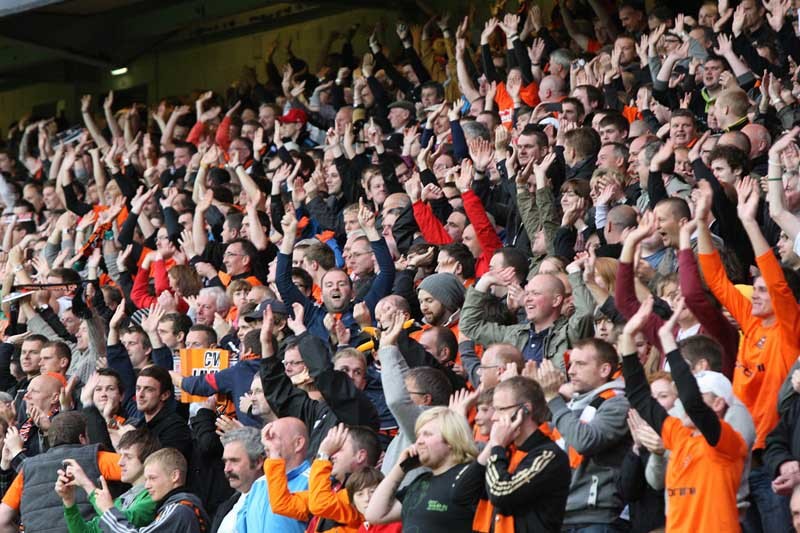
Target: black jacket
{"type": "Point", "coordinates": [170, 429]}
{"type": "Point", "coordinates": [783, 442]}
{"type": "Point", "coordinates": [206, 477]}
{"type": "Point", "coordinates": [645, 503]}
{"type": "Point", "coordinates": [344, 402]}
{"type": "Point", "coordinates": [535, 493]}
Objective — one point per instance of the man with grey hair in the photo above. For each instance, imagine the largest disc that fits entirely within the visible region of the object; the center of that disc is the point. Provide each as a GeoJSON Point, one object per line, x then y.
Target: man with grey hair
{"type": "Point", "coordinates": [560, 60]}
{"type": "Point", "coordinates": [210, 301]}
{"type": "Point", "coordinates": [243, 456]}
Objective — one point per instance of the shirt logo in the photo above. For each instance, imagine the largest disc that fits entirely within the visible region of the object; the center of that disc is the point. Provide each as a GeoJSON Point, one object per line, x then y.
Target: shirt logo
{"type": "Point", "coordinates": [437, 507]}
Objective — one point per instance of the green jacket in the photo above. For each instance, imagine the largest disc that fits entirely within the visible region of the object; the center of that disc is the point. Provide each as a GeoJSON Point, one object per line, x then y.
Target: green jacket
{"type": "Point", "coordinates": [562, 335]}
{"type": "Point", "coordinates": [140, 511]}
{"type": "Point", "coordinates": [538, 213]}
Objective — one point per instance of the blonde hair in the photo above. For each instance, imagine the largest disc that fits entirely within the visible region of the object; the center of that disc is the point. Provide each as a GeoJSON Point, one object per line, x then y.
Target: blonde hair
{"type": "Point", "coordinates": [455, 432]}
{"type": "Point", "coordinates": [170, 460]}
{"type": "Point", "coordinates": [608, 175]}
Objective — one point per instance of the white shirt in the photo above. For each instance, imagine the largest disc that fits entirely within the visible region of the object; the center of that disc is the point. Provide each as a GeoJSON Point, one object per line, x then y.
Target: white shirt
{"type": "Point", "coordinates": [228, 524]}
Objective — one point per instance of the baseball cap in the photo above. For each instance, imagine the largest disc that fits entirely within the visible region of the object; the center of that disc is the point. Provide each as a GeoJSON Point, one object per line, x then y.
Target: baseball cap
{"type": "Point", "coordinates": [258, 313]}
{"type": "Point", "coordinates": [294, 115]}
{"type": "Point", "coordinates": [715, 383]}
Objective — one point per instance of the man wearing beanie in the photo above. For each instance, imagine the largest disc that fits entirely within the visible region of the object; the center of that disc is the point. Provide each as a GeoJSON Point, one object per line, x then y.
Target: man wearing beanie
{"type": "Point", "coordinates": [440, 299]}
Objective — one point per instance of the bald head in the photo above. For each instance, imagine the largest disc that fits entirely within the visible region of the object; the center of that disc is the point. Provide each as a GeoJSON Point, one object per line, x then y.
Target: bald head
{"type": "Point", "coordinates": [760, 139]}
{"type": "Point", "coordinates": [737, 139]}
{"type": "Point", "coordinates": [48, 383]}
{"type": "Point", "coordinates": [551, 88]}
{"type": "Point", "coordinates": [618, 220]}
{"type": "Point", "coordinates": [42, 393]}
{"type": "Point", "coordinates": [286, 438]}
{"type": "Point", "coordinates": [388, 305]}
{"type": "Point", "coordinates": [394, 200]}
{"type": "Point", "coordinates": [549, 283]}
{"type": "Point", "coordinates": [501, 354]}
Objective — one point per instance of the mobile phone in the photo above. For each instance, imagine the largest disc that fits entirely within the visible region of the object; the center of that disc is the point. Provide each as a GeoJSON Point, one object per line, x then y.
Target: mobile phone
{"type": "Point", "coordinates": [64, 466]}
{"type": "Point", "coordinates": [410, 464]}
{"type": "Point", "coordinates": [521, 410]}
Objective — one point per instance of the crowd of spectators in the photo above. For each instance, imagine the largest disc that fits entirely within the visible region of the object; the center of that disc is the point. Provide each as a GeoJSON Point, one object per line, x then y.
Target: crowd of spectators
{"type": "Point", "coordinates": [536, 272]}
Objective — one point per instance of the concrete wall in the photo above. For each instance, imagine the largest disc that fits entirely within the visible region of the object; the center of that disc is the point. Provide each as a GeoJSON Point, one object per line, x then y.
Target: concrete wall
{"type": "Point", "coordinates": [218, 64]}
{"type": "Point", "coordinates": [180, 71]}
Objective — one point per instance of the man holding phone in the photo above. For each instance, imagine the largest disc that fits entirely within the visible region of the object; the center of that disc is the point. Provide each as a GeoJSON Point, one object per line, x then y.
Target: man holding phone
{"type": "Point", "coordinates": [31, 499]}
{"type": "Point", "coordinates": [527, 484]}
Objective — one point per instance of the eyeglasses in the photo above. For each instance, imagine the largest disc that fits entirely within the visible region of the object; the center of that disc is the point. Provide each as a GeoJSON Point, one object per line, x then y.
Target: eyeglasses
{"type": "Point", "coordinates": [293, 363]}
{"type": "Point", "coordinates": [359, 254]}
{"type": "Point", "coordinates": [484, 368]}
{"type": "Point", "coordinates": [508, 407]}
{"type": "Point", "coordinates": [231, 254]}
{"type": "Point", "coordinates": [417, 393]}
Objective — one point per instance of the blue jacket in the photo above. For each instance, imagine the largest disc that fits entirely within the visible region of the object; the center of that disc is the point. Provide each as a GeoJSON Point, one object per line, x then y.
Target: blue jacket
{"type": "Point", "coordinates": [315, 313]}
{"type": "Point", "coordinates": [256, 514]}
{"type": "Point", "coordinates": [234, 381]}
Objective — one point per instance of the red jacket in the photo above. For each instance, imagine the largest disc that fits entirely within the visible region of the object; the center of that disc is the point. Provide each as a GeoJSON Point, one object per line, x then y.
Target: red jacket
{"type": "Point", "coordinates": [139, 295]}
{"type": "Point", "coordinates": [434, 232]}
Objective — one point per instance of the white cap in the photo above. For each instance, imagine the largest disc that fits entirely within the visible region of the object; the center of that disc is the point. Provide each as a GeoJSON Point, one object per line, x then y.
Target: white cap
{"type": "Point", "coordinates": [715, 383]}
{"type": "Point", "coordinates": [549, 121]}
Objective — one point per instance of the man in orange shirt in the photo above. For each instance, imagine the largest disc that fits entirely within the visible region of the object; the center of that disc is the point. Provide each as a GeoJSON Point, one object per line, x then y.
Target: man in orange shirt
{"type": "Point", "coordinates": [31, 498]}
{"type": "Point", "coordinates": [342, 452]}
{"type": "Point", "coordinates": [771, 327]}
{"type": "Point", "coordinates": [707, 454]}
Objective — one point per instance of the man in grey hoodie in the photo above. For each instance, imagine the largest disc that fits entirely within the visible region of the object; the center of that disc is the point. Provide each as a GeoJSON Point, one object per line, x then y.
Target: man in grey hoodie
{"type": "Point", "coordinates": [589, 420]}
{"type": "Point", "coordinates": [178, 511]}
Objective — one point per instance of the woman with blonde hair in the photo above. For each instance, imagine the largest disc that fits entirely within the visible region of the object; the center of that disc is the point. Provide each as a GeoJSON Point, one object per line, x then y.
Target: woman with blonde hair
{"type": "Point", "coordinates": [445, 498]}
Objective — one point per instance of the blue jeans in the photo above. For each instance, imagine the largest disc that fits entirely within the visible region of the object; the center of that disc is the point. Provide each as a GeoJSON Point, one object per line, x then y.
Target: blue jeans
{"type": "Point", "coordinates": [768, 511]}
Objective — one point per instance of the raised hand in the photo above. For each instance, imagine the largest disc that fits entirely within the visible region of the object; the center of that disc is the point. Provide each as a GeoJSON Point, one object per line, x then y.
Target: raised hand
{"type": "Point", "coordinates": [639, 318]}
{"type": "Point", "coordinates": [109, 100]}
{"type": "Point", "coordinates": [334, 440]}
{"type": "Point", "coordinates": [295, 322]}
{"type": "Point", "coordinates": [481, 153]}
{"type": "Point", "coordinates": [366, 217]}
{"type": "Point", "coordinates": [510, 24]}
{"type": "Point", "coordinates": [462, 400]}
{"type": "Point", "coordinates": [748, 192]}
{"type": "Point", "coordinates": [392, 330]}
{"type": "Point", "coordinates": [289, 224]}
{"type": "Point", "coordinates": [488, 29]}
{"type": "Point", "coordinates": [646, 227]}
{"type": "Point", "coordinates": [465, 177]}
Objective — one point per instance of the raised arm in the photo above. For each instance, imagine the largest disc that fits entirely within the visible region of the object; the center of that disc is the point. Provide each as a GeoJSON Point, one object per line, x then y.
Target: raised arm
{"type": "Point", "coordinates": [636, 388]}
{"type": "Point", "coordinates": [91, 125]}
{"type": "Point", "coordinates": [113, 125]}
{"type": "Point", "coordinates": [704, 418]}
{"type": "Point", "coordinates": [787, 221]}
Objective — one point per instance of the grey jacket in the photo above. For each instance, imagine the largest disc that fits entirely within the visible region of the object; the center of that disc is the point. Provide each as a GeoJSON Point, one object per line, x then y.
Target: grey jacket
{"type": "Point", "coordinates": [562, 335]}
{"type": "Point", "coordinates": [597, 429]}
{"type": "Point", "coordinates": [84, 363]}
{"type": "Point", "coordinates": [393, 371]}
{"type": "Point", "coordinates": [180, 512]}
